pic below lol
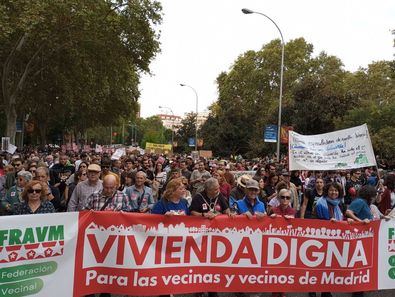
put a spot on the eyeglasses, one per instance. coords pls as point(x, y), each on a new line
point(37, 191)
point(286, 197)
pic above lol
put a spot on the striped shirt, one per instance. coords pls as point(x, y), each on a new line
point(118, 202)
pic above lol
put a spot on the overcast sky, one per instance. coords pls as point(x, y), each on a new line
point(202, 38)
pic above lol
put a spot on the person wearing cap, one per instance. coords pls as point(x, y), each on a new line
point(250, 205)
point(238, 192)
point(84, 189)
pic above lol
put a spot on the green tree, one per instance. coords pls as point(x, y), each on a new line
point(374, 90)
point(75, 64)
point(186, 130)
point(248, 96)
point(152, 130)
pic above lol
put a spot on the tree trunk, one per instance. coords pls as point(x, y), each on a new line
point(42, 126)
point(11, 122)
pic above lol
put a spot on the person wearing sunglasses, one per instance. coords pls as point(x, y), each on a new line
point(35, 201)
point(284, 209)
point(11, 177)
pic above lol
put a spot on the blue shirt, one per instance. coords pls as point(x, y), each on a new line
point(361, 209)
point(244, 205)
point(140, 200)
point(163, 206)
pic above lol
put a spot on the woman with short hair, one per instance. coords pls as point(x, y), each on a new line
point(173, 201)
point(35, 201)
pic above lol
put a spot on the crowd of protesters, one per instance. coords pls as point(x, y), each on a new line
point(179, 185)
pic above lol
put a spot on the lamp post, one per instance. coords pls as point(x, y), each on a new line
point(249, 11)
point(196, 95)
point(172, 125)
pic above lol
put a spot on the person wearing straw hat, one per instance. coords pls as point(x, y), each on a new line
point(238, 192)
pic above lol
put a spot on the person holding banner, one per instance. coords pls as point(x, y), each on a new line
point(140, 196)
point(173, 201)
point(35, 201)
point(210, 202)
point(359, 209)
point(284, 209)
point(109, 198)
point(250, 205)
point(328, 206)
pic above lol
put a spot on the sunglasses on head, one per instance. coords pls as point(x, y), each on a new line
point(286, 197)
point(31, 191)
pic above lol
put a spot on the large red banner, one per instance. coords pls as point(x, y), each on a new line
point(151, 255)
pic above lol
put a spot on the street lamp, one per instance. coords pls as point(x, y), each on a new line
point(249, 11)
point(184, 85)
point(172, 124)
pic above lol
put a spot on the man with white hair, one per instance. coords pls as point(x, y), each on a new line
point(210, 202)
point(140, 196)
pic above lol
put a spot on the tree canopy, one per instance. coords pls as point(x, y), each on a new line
point(75, 64)
point(319, 96)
